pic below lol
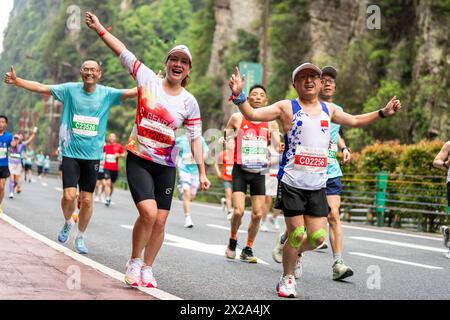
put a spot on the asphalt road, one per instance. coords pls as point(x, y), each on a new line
point(388, 264)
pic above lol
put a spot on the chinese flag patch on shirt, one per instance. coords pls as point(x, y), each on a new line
point(324, 123)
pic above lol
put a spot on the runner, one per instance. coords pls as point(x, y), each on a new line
point(271, 189)
point(225, 158)
point(15, 162)
point(303, 170)
point(163, 106)
point(442, 161)
point(82, 132)
point(188, 175)
point(40, 163)
point(46, 165)
point(5, 142)
point(99, 192)
point(252, 138)
point(28, 160)
point(113, 152)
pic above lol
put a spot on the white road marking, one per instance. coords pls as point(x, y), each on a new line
point(159, 294)
point(392, 232)
point(224, 228)
point(185, 243)
point(395, 260)
point(59, 189)
point(399, 244)
point(44, 184)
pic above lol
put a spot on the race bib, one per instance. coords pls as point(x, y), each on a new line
point(229, 170)
point(310, 159)
point(332, 153)
point(14, 155)
point(85, 126)
point(3, 153)
point(111, 158)
point(156, 134)
point(254, 154)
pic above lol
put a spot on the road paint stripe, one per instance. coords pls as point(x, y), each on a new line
point(392, 232)
point(44, 184)
point(395, 260)
point(400, 244)
point(184, 243)
point(157, 293)
point(59, 189)
point(224, 228)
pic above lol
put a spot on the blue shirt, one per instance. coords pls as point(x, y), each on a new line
point(186, 160)
point(84, 118)
point(5, 142)
point(333, 168)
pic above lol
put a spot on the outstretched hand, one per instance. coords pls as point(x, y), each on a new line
point(92, 21)
point(10, 77)
point(392, 107)
point(236, 82)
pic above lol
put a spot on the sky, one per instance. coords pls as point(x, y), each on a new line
point(7, 6)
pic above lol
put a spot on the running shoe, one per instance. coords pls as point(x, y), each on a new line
point(275, 223)
point(247, 255)
point(222, 202)
point(298, 270)
point(147, 278)
point(341, 270)
point(445, 236)
point(188, 222)
point(277, 252)
point(97, 199)
point(133, 273)
point(64, 233)
point(11, 195)
point(80, 245)
point(108, 202)
point(323, 246)
point(447, 255)
point(287, 287)
point(230, 252)
point(230, 215)
point(263, 227)
point(18, 189)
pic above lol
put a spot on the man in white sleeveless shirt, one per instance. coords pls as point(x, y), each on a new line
point(303, 170)
point(442, 161)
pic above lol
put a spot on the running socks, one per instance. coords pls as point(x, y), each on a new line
point(337, 256)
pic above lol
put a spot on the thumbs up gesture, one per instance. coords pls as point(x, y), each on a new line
point(10, 77)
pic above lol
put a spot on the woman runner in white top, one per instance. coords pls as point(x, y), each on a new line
point(163, 106)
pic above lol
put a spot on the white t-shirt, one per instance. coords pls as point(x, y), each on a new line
point(159, 115)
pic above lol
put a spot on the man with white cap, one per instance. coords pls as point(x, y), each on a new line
point(303, 169)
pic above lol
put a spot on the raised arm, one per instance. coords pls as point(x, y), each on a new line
point(442, 160)
point(33, 135)
point(362, 120)
point(269, 113)
point(111, 41)
point(13, 79)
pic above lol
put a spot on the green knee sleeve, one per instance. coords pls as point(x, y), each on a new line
point(293, 241)
point(321, 233)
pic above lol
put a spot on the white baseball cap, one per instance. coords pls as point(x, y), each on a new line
point(303, 66)
point(180, 48)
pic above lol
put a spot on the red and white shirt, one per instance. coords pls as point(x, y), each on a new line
point(159, 115)
point(111, 161)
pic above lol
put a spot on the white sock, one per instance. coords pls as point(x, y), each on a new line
point(80, 234)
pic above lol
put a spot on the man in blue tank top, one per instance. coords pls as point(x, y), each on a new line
point(303, 169)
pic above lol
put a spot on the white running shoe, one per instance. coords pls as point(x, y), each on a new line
point(287, 287)
point(445, 236)
point(298, 270)
point(188, 222)
point(322, 246)
point(11, 195)
point(447, 255)
point(133, 273)
point(263, 227)
point(229, 215)
point(222, 202)
point(277, 252)
point(147, 278)
point(97, 199)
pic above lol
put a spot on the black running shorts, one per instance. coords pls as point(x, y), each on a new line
point(296, 202)
point(4, 172)
point(80, 172)
point(242, 178)
point(150, 181)
point(28, 166)
point(110, 174)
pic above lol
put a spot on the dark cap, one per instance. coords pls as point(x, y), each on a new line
point(329, 71)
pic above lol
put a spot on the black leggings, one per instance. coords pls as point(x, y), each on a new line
point(150, 180)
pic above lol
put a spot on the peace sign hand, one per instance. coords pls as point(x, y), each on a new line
point(236, 83)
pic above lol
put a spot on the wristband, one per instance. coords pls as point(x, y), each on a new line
point(102, 33)
point(381, 114)
point(237, 100)
point(346, 148)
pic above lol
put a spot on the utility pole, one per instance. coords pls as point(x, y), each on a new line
point(265, 41)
